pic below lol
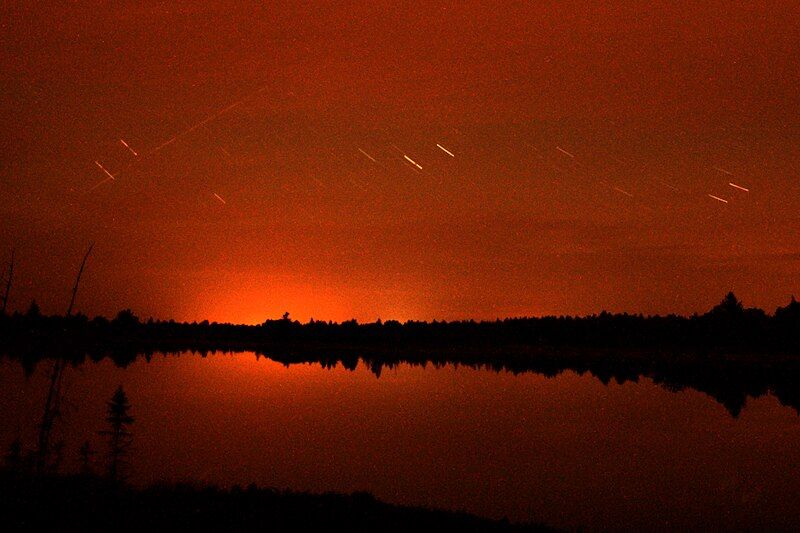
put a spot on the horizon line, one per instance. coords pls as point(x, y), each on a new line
point(379, 320)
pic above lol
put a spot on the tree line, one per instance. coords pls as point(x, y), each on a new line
point(727, 326)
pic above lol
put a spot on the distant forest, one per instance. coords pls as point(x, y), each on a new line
point(728, 327)
point(730, 353)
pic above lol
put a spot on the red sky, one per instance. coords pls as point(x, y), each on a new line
point(655, 103)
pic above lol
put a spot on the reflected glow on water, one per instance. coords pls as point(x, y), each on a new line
point(568, 451)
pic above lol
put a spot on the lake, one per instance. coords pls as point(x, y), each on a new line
point(567, 450)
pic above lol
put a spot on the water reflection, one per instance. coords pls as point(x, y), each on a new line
point(567, 450)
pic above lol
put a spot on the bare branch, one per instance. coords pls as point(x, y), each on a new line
point(78, 279)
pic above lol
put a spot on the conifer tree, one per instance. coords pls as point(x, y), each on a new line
point(120, 438)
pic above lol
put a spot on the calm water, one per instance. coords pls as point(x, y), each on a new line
point(568, 451)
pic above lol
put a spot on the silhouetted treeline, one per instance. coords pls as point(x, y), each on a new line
point(85, 503)
point(730, 352)
point(728, 326)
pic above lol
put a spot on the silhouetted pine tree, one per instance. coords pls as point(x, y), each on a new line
point(120, 439)
point(730, 306)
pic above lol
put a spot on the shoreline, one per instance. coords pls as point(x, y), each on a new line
point(82, 502)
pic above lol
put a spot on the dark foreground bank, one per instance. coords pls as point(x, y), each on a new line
point(80, 503)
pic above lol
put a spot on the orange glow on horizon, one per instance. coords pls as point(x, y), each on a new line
point(362, 160)
point(252, 298)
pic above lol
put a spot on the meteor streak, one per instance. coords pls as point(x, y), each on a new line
point(367, 155)
point(129, 148)
point(107, 173)
point(208, 119)
point(165, 144)
point(626, 193)
point(738, 187)
point(445, 150)
point(565, 152)
point(218, 197)
point(717, 198)
point(186, 131)
point(412, 161)
point(96, 185)
point(723, 171)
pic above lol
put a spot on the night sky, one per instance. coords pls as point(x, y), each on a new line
point(404, 160)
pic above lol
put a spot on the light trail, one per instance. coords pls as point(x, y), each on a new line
point(723, 171)
point(98, 184)
point(206, 120)
point(101, 167)
point(412, 161)
point(126, 145)
point(445, 150)
point(104, 181)
point(565, 152)
point(367, 155)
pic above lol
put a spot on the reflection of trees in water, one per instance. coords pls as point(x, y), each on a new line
point(730, 353)
point(45, 459)
point(40, 461)
point(730, 380)
point(120, 438)
point(728, 383)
